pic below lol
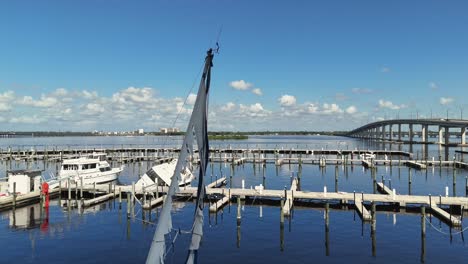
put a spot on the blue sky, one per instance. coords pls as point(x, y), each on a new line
point(283, 65)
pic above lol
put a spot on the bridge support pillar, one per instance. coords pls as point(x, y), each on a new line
point(425, 133)
point(390, 130)
point(410, 133)
point(384, 133)
point(447, 135)
point(463, 135)
point(441, 135)
point(399, 132)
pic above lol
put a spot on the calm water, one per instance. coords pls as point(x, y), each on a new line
point(103, 233)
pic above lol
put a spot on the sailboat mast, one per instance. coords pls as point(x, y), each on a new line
point(198, 126)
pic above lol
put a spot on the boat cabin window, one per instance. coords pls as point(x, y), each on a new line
point(88, 166)
point(70, 167)
point(103, 169)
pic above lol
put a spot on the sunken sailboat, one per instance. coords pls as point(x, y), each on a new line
point(196, 130)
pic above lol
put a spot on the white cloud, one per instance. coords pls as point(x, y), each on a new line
point(446, 100)
point(93, 109)
point(312, 108)
point(191, 99)
point(133, 95)
point(6, 100)
point(89, 95)
point(287, 100)
point(240, 85)
point(254, 110)
point(4, 107)
point(27, 120)
point(60, 92)
point(44, 102)
point(331, 109)
point(390, 105)
point(181, 109)
point(7, 96)
point(228, 107)
point(257, 91)
point(361, 90)
point(351, 110)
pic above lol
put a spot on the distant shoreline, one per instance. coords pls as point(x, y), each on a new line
point(213, 135)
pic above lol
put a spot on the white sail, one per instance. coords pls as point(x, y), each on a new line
point(197, 126)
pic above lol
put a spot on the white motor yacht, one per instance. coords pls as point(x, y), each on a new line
point(92, 168)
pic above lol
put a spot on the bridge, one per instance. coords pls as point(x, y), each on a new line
point(7, 134)
point(407, 130)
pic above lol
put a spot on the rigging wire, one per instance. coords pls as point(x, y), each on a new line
point(164, 144)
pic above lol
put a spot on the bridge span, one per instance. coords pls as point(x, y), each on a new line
point(405, 131)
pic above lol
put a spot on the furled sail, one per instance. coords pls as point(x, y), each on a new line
point(197, 127)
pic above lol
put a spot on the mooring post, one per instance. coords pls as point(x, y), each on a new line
point(133, 193)
point(466, 185)
point(336, 178)
point(374, 211)
point(120, 197)
point(81, 187)
point(14, 195)
point(128, 206)
point(281, 212)
point(362, 203)
point(60, 191)
point(69, 190)
point(144, 196)
point(423, 220)
point(238, 210)
point(94, 190)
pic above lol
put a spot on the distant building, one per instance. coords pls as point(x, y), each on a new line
point(141, 131)
point(165, 130)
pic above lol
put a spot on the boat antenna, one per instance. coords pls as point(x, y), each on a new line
point(216, 50)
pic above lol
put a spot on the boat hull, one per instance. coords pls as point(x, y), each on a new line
point(95, 177)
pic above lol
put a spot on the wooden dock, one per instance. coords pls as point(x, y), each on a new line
point(289, 199)
point(100, 199)
point(384, 189)
point(219, 204)
point(152, 203)
point(416, 165)
point(218, 183)
point(451, 219)
point(361, 209)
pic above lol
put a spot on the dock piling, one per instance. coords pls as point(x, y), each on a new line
point(81, 187)
point(238, 210)
point(14, 196)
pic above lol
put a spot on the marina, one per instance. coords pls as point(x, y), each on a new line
point(233, 132)
point(232, 183)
